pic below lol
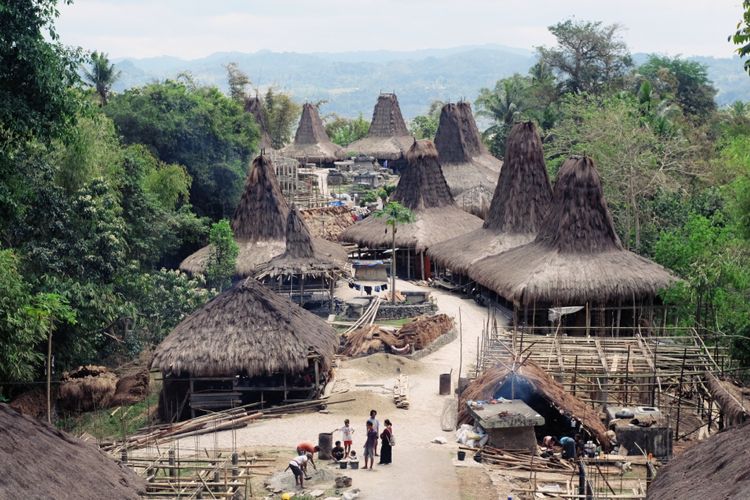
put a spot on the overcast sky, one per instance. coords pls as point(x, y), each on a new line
point(197, 28)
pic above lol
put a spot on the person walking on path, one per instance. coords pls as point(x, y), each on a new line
point(347, 434)
point(370, 443)
point(376, 425)
point(386, 448)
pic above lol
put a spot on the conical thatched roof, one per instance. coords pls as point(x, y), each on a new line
point(422, 188)
point(470, 170)
point(39, 461)
point(254, 107)
point(304, 255)
point(311, 142)
point(246, 330)
point(259, 223)
point(521, 200)
point(388, 137)
point(577, 256)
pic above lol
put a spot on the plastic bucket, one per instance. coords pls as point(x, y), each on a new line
point(342, 465)
point(354, 465)
point(461, 455)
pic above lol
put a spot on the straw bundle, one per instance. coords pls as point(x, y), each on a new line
point(87, 388)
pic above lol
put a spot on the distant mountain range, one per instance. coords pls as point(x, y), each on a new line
point(351, 81)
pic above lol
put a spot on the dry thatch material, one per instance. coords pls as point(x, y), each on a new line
point(304, 256)
point(246, 330)
point(87, 388)
point(311, 142)
point(467, 165)
point(131, 389)
point(388, 137)
point(416, 335)
point(577, 256)
point(327, 222)
point(254, 107)
point(485, 386)
point(39, 462)
point(422, 188)
point(716, 468)
point(521, 201)
point(732, 398)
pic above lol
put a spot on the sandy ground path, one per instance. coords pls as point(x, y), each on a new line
point(420, 469)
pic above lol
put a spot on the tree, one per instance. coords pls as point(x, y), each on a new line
point(503, 105)
point(344, 131)
point(101, 76)
point(589, 56)
point(425, 126)
point(223, 258)
point(281, 114)
point(681, 81)
point(394, 214)
point(239, 83)
point(741, 37)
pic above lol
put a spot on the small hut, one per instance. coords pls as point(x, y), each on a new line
point(307, 266)
point(388, 139)
point(247, 344)
point(576, 260)
point(422, 189)
point(311, 143)
point(469, 169)
point(255, 108)
point(519, 205)
point(40, 461)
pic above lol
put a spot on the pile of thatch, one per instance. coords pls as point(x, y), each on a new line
point(33, 402)
point(422, 188)
point(520, 203)
point(576, 256)
point(413, 336)
point(388, 137)
point(716, 468)
point(303, 255)
point(39, 461)
point(255, 108)
point(87, 388)
point(327, 222)
point(311, 142)
point(246, 330)
point(469, 169)
point(131, 389)
point(732, 398)
point(485, 386)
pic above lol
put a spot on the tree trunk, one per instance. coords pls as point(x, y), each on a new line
point(49, 378)
point(393, 264)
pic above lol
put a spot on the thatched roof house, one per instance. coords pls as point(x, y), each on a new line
point(39, 461)
point(469, 168)
point(576, 257)
point(716, 468)
point(422, 188)
point(311, 143)
point(520, 203)
point(529, 382)
point(388, 137)
point(255, 108)
point(246, 330)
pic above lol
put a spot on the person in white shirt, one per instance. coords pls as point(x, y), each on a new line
point(298, 465)
point(347, 433)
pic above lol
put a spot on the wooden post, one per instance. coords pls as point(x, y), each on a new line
point(192, 390)
point(627, 372)
point(393, 265)
point(679, 395)
point(317, 379)
point(460, 344)
point(421, 264)
point(588, 320)
point(49, 377)
point(575, 374)
point(654, 402)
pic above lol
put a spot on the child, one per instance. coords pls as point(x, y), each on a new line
point(298, 465)
point(338, 452)
point(370, 443)
point(346, 435)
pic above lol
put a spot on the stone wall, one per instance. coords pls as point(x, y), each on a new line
point(399, 311)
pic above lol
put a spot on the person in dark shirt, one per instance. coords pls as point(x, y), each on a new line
point(370, 443)
point(337, 452)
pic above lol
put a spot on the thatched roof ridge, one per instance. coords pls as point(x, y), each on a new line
point(388, 138)
point(521, 200)
point(714, 468)
point(41, 461)
point(421, 188)
point(255, 108)
point(311, 142)
point(485, 386)
point(733, 403)
point(247, 329)
point(457, 138)
point(576, 256)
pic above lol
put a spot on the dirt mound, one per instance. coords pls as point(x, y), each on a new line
point(33, 402)
point(87, 388)
point(384, 365)
point(131, 389)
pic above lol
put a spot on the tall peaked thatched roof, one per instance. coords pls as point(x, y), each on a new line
point(388, 138)
point(576, 256)
point(311, 142)
point(470, 170)
point(255, 108)
point(39, 461)
point(246, 330)
point(421, 188)
point(520, 203)
point(304, 254)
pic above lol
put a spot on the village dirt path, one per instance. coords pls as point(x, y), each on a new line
point(420, 469)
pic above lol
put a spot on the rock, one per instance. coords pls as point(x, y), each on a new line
point(316, 493)
point(352, 494)
point(439, 440)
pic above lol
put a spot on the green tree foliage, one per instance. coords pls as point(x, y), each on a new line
point(681, 81)
point(101, 76)
point(223, 257)
point(425, 126)
point(199, 128)
point(741, 37)
point(503, 105)
point(239, 83)
point(589, 56)
point(282, 114)
point(344, 131)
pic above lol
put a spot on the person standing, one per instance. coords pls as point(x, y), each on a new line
point(376, 425)
point(347, 433)
point(386, 447)
point(370, 443)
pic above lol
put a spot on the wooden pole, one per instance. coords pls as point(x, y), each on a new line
point(460, 344)
point(679, 395)
point(627, 372)
point(393, 264)
point(49, 378)
point(421, 264)
point(575, 374)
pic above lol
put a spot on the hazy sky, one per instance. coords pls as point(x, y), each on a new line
point(196, 28)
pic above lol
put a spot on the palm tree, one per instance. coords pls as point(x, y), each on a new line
point(395, 213)
point(102, 75)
